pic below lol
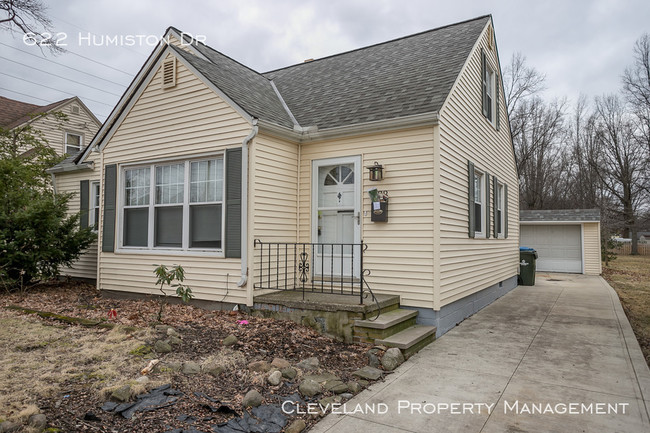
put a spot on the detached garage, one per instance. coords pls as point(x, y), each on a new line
point(565, 240)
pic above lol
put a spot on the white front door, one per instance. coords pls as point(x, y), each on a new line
point(336, 197)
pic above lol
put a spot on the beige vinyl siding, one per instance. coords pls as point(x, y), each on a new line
point(469, 265)
point(69, 182)
point(181, 122)
point(400, 251)
point(591, 250)
point(54, 130)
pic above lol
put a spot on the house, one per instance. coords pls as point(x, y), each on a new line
point(566, 240)
point(66, 136)
point(259, 181)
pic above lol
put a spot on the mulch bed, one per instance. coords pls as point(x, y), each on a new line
point(202, 331)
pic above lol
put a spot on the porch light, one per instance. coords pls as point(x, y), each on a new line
point(376, 172)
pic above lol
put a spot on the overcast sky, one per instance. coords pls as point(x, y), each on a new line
point(582, 46)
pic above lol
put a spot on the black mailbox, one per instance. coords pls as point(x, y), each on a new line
point(379, 212)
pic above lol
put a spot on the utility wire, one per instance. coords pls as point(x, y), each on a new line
point(99, 63)
point(25, 94)
point(59, 76)
point(60, 64)
point(52, 88)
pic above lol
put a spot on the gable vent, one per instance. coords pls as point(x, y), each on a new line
point(74, 109)
point(169, 73)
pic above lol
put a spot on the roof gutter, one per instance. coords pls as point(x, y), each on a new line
point(66, 168)
point(244, 204)
point(312, 133)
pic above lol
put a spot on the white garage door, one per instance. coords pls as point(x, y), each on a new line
point(559, 247)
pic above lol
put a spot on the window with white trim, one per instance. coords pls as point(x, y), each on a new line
point(489, 93)
point(93, 215)
point(73, 143)
point(177, 205)
point(500, 215)
point(479, 200)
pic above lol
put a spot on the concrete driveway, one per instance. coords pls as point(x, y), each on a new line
point(557, 357)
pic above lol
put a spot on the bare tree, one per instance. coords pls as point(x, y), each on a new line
point(30, 18)
point(520, 82)
point(636, 86)
point(622, 165)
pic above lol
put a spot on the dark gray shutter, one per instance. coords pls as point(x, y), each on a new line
point(233, 203)
point(483, 84)
point(487, 206)
point(505, 210)
point(110, 190)
point(470, 170)
point(84, 193)
point(496, 101)
point(495, 191)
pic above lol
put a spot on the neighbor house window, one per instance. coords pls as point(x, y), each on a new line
point(73, 143)
point(94, 205)
point(175, 205)
point(479, 200)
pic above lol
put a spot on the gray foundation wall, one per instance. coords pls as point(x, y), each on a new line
point(452, 314)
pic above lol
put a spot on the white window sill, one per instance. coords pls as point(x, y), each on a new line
point(165, 252)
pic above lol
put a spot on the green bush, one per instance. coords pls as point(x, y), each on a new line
point(37, 236)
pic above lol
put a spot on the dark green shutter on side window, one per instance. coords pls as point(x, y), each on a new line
point(505, 210)
point(470, 170)
point(495, 191)
point(84, 193)
point(496, 101)
point(483, 84)
point(487, 206)
point(233, 203)
point(108, 222)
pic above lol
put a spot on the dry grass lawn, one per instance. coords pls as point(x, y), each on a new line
point(630, 277)
point(39, 358)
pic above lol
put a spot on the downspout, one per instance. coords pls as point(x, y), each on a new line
point(244, 204)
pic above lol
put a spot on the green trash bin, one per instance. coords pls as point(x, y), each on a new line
point(527, 266)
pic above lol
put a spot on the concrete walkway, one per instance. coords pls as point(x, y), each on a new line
point(556, 357)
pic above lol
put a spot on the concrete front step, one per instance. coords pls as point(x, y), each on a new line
point(387, 319)
point(410, 340)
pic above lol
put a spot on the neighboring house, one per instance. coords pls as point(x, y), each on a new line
point(566, 240)
point(644, 237)
point(64, 136)
point(237, 174)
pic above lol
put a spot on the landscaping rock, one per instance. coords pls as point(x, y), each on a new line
point(174, 341)
point(212, 368)
point(252, 399)
point(289, 373)
point(392, 359)
point(336, 386)
point(230, 340)
point(162, 347)
point(142, 379)
point(308, 364)
point(259, 366)
point(280, 363)
point(162, 328)
point(296, 427)
point(191, 367)
point(363, 383)
point(309, 388)
point(346, 396)
point(368, 372)
point(122, 394)
point(354, 387)
point(275, 378)
point(373, 359)
point(38, 421)
point(171, 332)
point(172, 365)
point(8, 426)
point(327, 401)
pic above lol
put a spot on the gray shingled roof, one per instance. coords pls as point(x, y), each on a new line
point(559, 215)
point(249, 89)
point(403, 77)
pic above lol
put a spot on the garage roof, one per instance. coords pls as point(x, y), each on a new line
point(560, 215)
